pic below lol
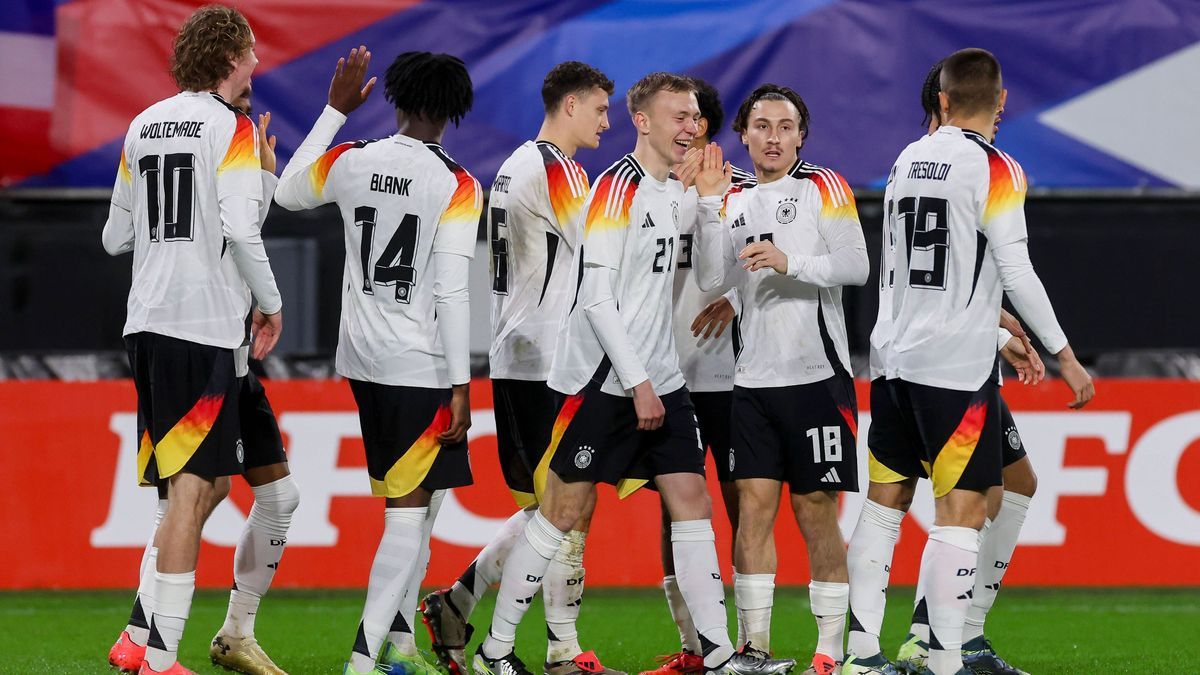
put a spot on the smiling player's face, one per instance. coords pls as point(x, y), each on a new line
point(671, 124)
point(772, 135)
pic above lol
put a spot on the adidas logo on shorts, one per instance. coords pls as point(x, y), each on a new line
point(831, 476)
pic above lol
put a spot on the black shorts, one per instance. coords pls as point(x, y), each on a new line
point(1012, 447)
point(260, 429)
point(803, 434)
point(713, 409)
point(525, 413)
point(187, 408)
point(949, 435)
point(400, 426)
point(596, 439)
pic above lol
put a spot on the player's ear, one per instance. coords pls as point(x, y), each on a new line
point(702, 126)
point(568, 105)
point(944, 105)
point(745, 141)
point(1003, 99)
point(641, 122)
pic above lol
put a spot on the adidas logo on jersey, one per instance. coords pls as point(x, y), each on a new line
point(649, 222)
point(740, 221)
point(831, 476)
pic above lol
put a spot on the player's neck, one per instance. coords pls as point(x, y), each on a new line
point(225, 91)
point(762, 176)
point(421, 130)
point(984, 125)
point(560, 137)
point(651, 161)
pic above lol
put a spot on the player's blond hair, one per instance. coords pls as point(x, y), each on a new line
point(208, 43)
point(644, 89)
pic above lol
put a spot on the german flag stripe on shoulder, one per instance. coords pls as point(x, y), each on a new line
point(318, 173)
point(1007, 183)
point(613, 195)
point(566, 183)
point(467, 201)
point(242, 153)
point(837, 199)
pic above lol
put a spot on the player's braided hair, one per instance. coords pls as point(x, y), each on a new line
point(571, 77)
point(772, 92)
point(207, 44)
point(710, 106)
point(436, 87)
point(929, 95)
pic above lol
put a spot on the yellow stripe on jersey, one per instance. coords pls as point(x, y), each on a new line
point(950, 463)
point(837, 200)
point(123, 169)
point(467, 202)
point(318, 173)
point(610, 202)
point(410, 470)
point(567, 191)
point(243, 148)
point(1006, 185)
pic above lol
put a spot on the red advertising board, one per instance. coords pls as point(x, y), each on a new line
point(1118, 498)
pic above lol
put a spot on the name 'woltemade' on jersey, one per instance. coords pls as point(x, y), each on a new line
point(629, 224)
point(532, 210)
point(181, 287)
point(954, 197)
point(401, 201)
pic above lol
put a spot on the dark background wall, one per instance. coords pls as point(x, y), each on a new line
point(1122, 272)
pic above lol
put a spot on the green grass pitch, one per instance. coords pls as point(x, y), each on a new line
point(1090, 632)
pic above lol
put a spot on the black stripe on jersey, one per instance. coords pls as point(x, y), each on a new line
point(441, 153)
point(736, 336)
point(980, 251)
point(229, 105)
point(602, 371)
point(801, 169)
point(743, 177)
point(830, 348)
point(982, 142)
point(578, 280)
point(628, 160)
point(551, 253)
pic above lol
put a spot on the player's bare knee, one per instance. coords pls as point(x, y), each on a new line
point(1020, 478)
point(897, 495)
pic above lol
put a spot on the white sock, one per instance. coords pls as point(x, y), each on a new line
point(143, 603)
point(172, 603)
point(869, 563)
point(487, 567)
point(995, 551)
point(522, 577)
point(950, 570)
point(258, 552)
point(741, 625)
point(829, 601)
point(689, 640)
point(401, 633)
point(693, 546)
point(754, 596)
point(394, 561)
point(562, 595)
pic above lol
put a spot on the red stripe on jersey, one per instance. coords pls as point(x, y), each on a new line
point(243, 151)
point(318, 173)
point(567, 185)
point(467, 202)
point(837, 200)
point(1006, 185)
point(613, 195)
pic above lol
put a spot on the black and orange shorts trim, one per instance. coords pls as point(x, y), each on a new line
point(948, 435)
point(595, 438)
point(804, 434)
point(188, 409)
point(400, 426)
point(713, 410)
point(260, 429)
point(525, 412)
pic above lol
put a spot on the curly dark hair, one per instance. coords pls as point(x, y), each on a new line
point(710, 106)
point(772, 92)
point(644, 89)
point(571, 77)
point(929, 95)
point(208, 42)
point(436, 87)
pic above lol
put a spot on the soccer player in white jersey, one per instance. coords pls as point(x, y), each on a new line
point(706, 359)
point(188, 194)
point(625, 417)
point(276, 497)
point(410, 214)
point(532, 210)
point(789, 243)
point(955, 242)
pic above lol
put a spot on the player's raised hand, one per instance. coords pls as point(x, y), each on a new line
point(686, 170)
point(716, 315)
point(346, 91)
point(460, 415)
point(715, 173)
point(1019, 352)
point(648, 406)
point(265, 330)
point(762, 255)
point(1076, 377)
point(266, 144)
